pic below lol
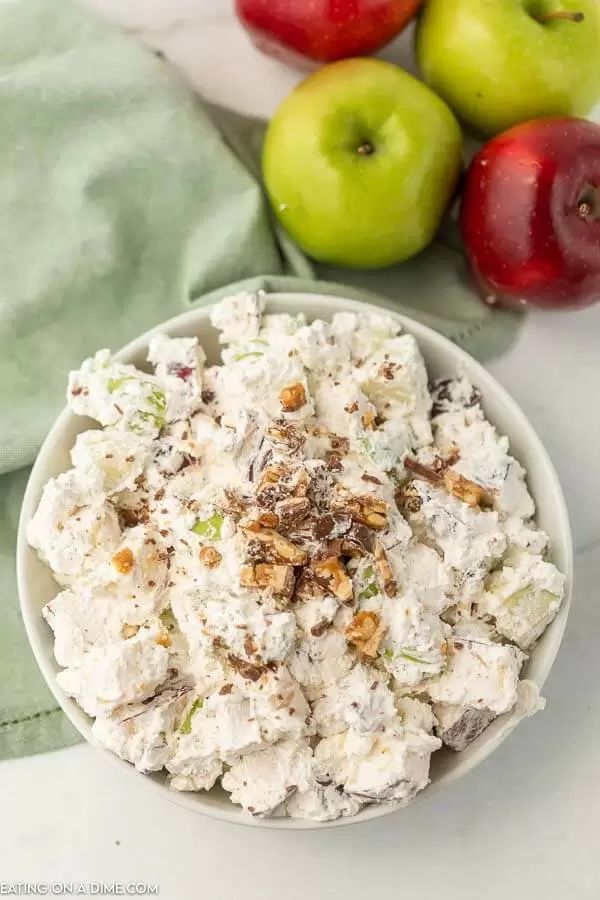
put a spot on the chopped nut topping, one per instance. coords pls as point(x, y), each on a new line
point(279, 579)
point(226, 689)
point(210, 557)
point(293, 397)
point(292, 510)
point(372, 478)
point(331, 574)
point(366, 631)
point(123, 561)
point(464, 489)
point(276, 548)
point(385, 570)
point(351, 407)
point(129, 631)
point(163, 640)
point(366, 508)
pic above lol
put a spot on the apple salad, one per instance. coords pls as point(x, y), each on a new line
point(298, 573)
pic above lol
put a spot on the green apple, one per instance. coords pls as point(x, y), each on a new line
point(500, 62)
point(360, 162)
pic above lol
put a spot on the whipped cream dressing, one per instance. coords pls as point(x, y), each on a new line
point(299, 572)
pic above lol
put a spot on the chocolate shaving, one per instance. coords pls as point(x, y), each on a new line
point(249, 671)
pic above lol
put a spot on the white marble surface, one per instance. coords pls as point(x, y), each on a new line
point(525, 824)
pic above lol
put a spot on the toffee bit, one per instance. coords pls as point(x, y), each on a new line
point(332, 575)
point(365, 508)
point(464, 489)
point(123, 561)
point(279, 580)
point(366, 632)
point(292, 398)
point(291, 510)
point(277, 548)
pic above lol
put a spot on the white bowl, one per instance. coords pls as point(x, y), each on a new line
point(442, 357)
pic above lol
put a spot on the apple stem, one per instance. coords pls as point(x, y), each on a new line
point(366, 149)
point(561, 14)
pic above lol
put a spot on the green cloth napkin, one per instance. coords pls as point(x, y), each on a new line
point(122, 202)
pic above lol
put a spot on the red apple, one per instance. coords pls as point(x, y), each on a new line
point(530, 214)
point(323, 30)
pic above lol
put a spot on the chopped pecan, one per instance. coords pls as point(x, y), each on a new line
point(372, 478)
point(332, 575)
point(293, 397)
point(385, 570)
point(276, 548)
point(249, 671)
point(226, 689)
point(279, 579)
point(123, 561)
point(351, 407)
point(464, 489)
point(210, 557)
point(320, 628)
point(366, 631)
point(292, 510)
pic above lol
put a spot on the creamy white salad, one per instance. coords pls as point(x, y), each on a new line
point(298, 573)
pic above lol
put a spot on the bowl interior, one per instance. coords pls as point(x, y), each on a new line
point(36, 585)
